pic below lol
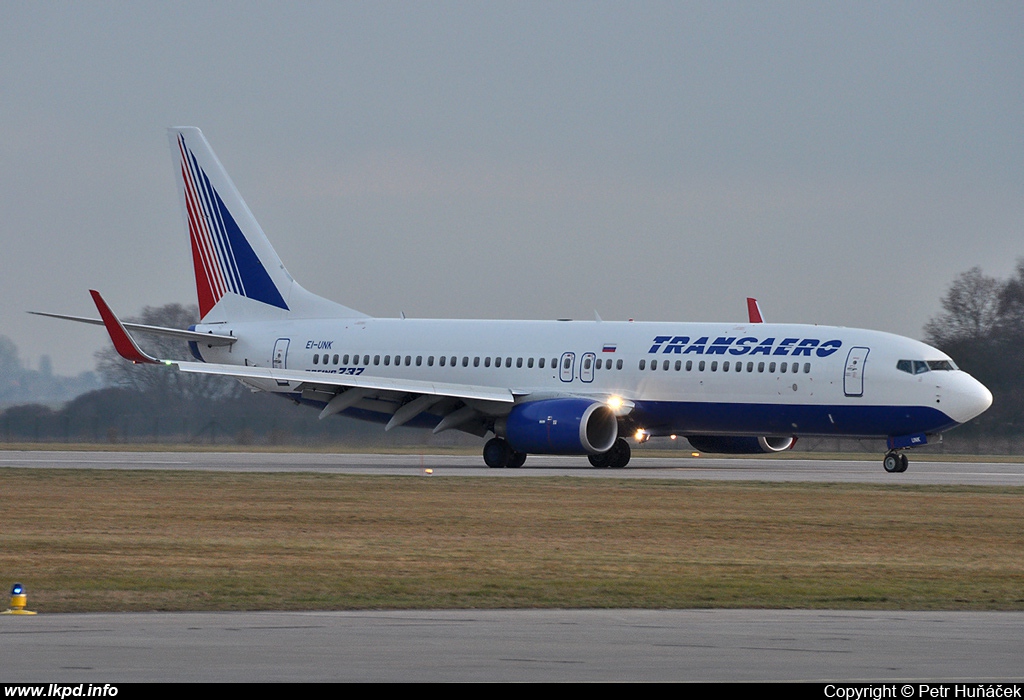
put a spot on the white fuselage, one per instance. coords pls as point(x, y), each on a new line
point(696, 378)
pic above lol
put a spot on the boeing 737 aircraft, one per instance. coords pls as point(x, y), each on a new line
point(541, 387)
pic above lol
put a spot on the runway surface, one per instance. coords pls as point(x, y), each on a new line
point(525, 645)
point(519, 645)
point(991, 473)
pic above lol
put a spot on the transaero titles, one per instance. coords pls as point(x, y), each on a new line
point(747, 345)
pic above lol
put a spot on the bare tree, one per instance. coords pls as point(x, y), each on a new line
point(1011, 306)
point(972, 310)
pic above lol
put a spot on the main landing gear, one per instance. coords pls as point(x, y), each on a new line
point(499, 454)
point(895, 462)
point(616, 458)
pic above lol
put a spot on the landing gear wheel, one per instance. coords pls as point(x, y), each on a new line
point(517, 460)
point(893, 462)
point(600, 460)
point(497, 453)
point(904, 462)
point(618, 456)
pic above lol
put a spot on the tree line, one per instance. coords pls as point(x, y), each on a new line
point(981, 327)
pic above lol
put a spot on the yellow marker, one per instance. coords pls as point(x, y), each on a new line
point(428, 471)
point(19, 599)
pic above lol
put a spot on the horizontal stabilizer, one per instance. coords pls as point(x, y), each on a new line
point(195, 336)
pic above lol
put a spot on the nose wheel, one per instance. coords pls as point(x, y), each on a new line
point(895, 462)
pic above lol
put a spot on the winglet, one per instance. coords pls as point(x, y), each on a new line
point(754, 311)
point(123, 342)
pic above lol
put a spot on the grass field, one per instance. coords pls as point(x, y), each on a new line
point(116, 540)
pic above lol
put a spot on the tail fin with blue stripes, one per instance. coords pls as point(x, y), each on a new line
point(239, 275)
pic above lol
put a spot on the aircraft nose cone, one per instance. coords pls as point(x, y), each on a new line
point(970, 399)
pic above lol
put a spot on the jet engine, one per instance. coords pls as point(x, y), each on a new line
point(560, 426)
point(740, 445)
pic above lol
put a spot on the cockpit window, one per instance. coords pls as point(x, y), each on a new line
point(921, 366)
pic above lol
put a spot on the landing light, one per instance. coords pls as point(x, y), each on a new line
point(641, 436)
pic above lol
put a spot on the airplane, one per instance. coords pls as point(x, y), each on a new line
point(539, 387)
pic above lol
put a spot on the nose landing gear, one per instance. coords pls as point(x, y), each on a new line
point(895, 462)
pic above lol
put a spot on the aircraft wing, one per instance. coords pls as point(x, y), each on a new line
point(129, 350)
point(409, 386)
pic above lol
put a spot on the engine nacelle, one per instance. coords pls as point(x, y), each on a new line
point(740, 445)
point(560, 426)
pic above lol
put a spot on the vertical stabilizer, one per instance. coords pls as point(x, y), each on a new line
point(238, 273)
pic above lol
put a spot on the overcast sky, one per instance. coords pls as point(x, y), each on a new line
point(842, 162)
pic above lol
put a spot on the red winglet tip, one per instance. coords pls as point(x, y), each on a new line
point(123, 342)
point(754, 311)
